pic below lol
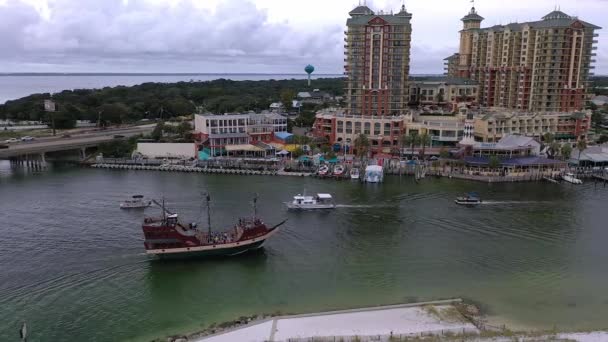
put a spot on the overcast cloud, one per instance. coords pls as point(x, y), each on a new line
point(266, 36)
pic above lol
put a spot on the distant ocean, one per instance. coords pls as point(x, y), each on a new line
point(14, 86)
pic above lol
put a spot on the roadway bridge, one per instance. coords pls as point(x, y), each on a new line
point(33, 153)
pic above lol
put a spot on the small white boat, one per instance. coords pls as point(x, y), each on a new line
point(471, 198)
point(323, 170)
point(135, 202)
point(374, 174)
point(320, 201)
point(338, 170)
point(569, 177)
point(354, 173)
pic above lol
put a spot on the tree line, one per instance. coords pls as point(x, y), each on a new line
point(121, 104)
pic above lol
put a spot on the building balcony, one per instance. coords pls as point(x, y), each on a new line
point(445, 139)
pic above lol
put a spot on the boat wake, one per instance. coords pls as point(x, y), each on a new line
point(361, 206)
point(509, 202)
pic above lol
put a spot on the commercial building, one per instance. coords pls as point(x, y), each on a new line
point(493, 124)
point(445, 92)
point(377, 62)
point(216, 132)
point(341, 128)
point(167, 150)
point(536, 66)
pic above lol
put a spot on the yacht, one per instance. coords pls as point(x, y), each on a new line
point(569, 177)
point(354, 173)
point(472, 198)
point(320, 201)
point(136, 202)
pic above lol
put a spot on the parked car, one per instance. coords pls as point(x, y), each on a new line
point(66, 136)
point(118, 136)
point(11, 140)
point(27, 138)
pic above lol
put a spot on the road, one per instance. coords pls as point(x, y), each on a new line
point(53, 144)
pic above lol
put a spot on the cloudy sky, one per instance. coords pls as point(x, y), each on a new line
point(266, 36)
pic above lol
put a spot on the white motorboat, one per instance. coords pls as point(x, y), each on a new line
point(323, 170)
point(374, 174)
point(469, 199)
point(354, 173)
point(569, 177)
point(136, 202)
point(338, 170)
point(320, 201)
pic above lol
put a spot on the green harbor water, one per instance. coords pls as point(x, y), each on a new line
point(72, 263)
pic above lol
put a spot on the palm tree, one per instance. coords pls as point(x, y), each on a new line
point(362, 145)
point(404, 140)
point(412, 140)
point(424, 139)
point(566, 151)
point(581, 145)
point(554, 148)
point(549, 141)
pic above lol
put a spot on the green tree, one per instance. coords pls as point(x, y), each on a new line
point(113, 113)
point(566, 151)
point(549, 142)
point(424, 140)
point(413, 139)
point(602, 139)
point(157, 133)
point(553, 149)
point(443, 153)
point(287, 96)
point(581, 145)
point(178, 107)
point(362, 145)
point(440, 97)
point(494, 162)
point(596, 119)
point(297, 153)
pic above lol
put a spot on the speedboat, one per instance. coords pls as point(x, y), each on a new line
point(323, 170)
point(471, 198)
point(374, 174)
point(569, 177)
point(338, 170)
point(354, 173)
point(136, 202)
point(320, 201)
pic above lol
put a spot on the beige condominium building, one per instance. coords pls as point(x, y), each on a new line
point(377, 61)
point(493, 124)
point(535, 66)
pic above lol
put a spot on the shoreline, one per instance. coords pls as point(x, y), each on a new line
point(266, 172)
point(440, 320)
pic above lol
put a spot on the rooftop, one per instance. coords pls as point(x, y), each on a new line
point(454, 56)
point(472, 16)
point(554, 19)
point(361, 10)
point(362, 15)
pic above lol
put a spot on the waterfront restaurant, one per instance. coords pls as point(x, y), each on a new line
point(592, 156)
point(518, 156)
point(514, 167)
